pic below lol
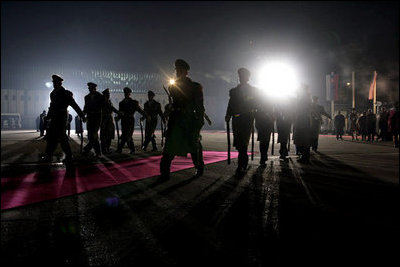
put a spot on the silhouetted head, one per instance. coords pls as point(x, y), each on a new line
point(150, 94)
point(127, 92)
point(92, 86)
point(244, 75)
point(57, 80)
point(181, 68)
point(106, 93)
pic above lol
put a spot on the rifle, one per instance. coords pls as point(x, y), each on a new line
point(273, 138)
point(162, 134)
point(207, 119)
point(141, 130)
point(117, 127)
point(80, 119)
point(228, 135)
point(252, 141)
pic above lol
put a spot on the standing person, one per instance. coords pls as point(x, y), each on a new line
point(42, 122)
point(339, 122)
point(302, 127)
point(127, 109)
point(94, 103)
point(317, 111)
point(185, 121)
point(78, 126)
point(383, 124)
point(241, 107)
point(69, 124)
point(371, 125)
point(38, 123)
point(60, 99)
point(393, 124)
point(284, 120)
point(264, 121)
point(153, 110)
point(107, 128)
point(362, 125)
point(353, 124)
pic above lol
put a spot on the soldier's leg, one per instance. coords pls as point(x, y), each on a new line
point(96, 143)
point(243, 158)
point(197, 159)
point(263, 152)
point(66, 147)
point(153, 142)
point(165, 165)
point(51, 145)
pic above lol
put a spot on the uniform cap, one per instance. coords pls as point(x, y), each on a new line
point(107, 91)
point(151, 93)
point(56, 78)
point(181, 64)
point(127, 90)
point(244, 71)
point(90, 84)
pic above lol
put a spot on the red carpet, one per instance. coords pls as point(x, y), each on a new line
point(33, 187)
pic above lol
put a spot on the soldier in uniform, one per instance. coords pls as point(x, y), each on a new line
point(78, 126)
point(353, 124)
point(69, 124)
point(302, 124)
point(127, 109)
point(371, 125)
point(185, 121)
point(317, 111)
point(362, 125)
point(153, 109)
point(284, 119)
point(107, 128)
point(94, 103)
point(241, 107)
point(339, 122)
point(60, 99)
point(264, 121)
point(42, 122)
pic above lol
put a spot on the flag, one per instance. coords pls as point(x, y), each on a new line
point(332, 87)
point(372, 88)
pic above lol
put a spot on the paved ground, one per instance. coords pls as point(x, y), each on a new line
point(341, 209)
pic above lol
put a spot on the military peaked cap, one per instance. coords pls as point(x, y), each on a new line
point(181, 64)
point(56, 78)
point(107, 91)
point(244, 71)
point(151, 93)
point(90, 84)
point(127, 90)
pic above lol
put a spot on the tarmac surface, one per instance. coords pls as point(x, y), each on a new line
point(340, 209)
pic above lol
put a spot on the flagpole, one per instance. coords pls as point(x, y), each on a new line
point(354, 88)
point(374, 103)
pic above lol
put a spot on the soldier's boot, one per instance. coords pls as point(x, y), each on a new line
point(165, 166)
point(153, 143)
point(131, 147)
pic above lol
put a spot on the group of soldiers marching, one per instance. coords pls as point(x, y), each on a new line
point(249, 107)
point(184, 116)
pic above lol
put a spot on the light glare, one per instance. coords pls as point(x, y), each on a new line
point(278, 80)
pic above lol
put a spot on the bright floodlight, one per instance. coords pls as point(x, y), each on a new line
point(171, 81)
point(278, 80)
point(49, 84)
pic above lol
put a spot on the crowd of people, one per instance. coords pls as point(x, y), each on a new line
point(249, 109)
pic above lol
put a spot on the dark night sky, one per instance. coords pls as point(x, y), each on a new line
point(214, 37)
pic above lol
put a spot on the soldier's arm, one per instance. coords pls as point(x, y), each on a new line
point(160, 113)
point(199, 100)
point(229, 112)
point(75, 106)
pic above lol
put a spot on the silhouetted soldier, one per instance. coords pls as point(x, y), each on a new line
point(284, 120)
point(302, 127)
point(353, 124)
point(94, 103)
point(185, 121)
point(127, 109)
point(107, 128)
point(241, 107)
point(362, 125)
point(69, 124)
point(383, 124)
point(78, 126)
point(264, 121)
point(393, 123)
point(339, 122)
point(371, 125)
point(60, 99)
point(317, 112)
point(153, 110)
point(42, 122)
